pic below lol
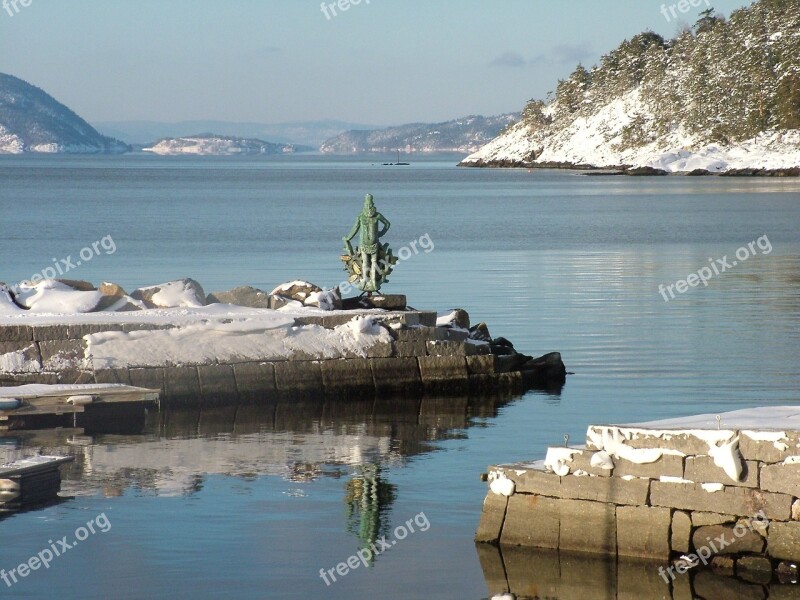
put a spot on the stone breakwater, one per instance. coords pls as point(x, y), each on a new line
point(205, 357)
point(722, 490)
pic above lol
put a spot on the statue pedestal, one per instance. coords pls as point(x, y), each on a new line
point(385, 301)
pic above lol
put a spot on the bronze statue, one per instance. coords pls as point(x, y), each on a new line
point(371, 262)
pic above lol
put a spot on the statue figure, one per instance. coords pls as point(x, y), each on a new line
point(371, 262)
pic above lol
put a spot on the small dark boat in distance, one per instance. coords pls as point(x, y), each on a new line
point(398, 163)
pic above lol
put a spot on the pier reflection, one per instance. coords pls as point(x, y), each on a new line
point(527, 574)
point(175, 451)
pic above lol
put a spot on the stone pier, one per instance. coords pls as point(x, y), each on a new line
point(720, 490)
point(411, 356)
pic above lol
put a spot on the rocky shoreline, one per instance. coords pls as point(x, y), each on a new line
point(625, 169)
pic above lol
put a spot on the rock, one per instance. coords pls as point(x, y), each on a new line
point(480, 332)
point(276, 302)
point(756, 569)
point(325, 300)
point(699, 172)
point(796, 510)
point(786, 572)
point(241, 296)
point(723, 565)
point(180, 293)
point(501, 341)
point(8, 304)
point(296, 290)
point(75, 284)
point(644, 171)
point(548, 368)
point(454, 317)
point(112, 289)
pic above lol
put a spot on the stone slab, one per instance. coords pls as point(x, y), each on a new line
point(151, 377)
point(16, 333)
point(733, 500)
point(255, 381)
point(681, 534)
point(28, 354)
point(492, 517)
point(442, 368)
point(347, 375)
point(62, 354)
point(479, 365)
point(410, 349)
point(767, 451)
point(781, 478)
point(300, 375)
point(643, 531)
point(701, 469)
point(217, 384)
point(112, 376)
point(587, 526)
point(582, 461)
point(669, 465)
point(784, 540)
point(181, 386)
point(531, 520)
point(395, 374)
point(700, 518)
point(739, 539)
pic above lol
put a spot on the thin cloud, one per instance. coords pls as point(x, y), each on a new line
point(509, 59)
point(571, 53)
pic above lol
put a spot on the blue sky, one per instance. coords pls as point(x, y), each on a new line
point(380, 61)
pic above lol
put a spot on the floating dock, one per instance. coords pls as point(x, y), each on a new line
point(30, 481)
point(27, 406)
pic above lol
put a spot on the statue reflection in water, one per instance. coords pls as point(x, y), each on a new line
point(369, 497)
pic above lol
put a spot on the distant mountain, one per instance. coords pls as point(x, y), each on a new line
point(722, 96)
point(209, 144)
point(33, 121)
point(459, 135)
point(307, 133)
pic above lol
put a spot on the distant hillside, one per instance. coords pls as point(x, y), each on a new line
point(460, 135)
point(307, 133)
point(209, 144)
point(33, 121)
point(724, 95)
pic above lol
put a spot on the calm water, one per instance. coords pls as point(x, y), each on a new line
point(252, 503)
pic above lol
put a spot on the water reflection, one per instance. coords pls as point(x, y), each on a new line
point(299, 441)
point(526, 574)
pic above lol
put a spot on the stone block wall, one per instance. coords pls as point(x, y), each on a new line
point(721, 496)
point(420, 358)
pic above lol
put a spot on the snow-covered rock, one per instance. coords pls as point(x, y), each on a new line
point(51, 296)
point(183, 292)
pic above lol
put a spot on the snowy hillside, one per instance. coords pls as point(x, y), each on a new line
point(723, 96)
point(214, 145)
point(459, 135)
point(33, 121)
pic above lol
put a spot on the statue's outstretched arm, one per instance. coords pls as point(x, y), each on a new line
point(385, 222)
point(354, 231)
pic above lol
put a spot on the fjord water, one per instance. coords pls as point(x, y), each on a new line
point(252, 504)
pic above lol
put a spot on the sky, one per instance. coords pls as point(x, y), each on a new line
point(382, 62)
